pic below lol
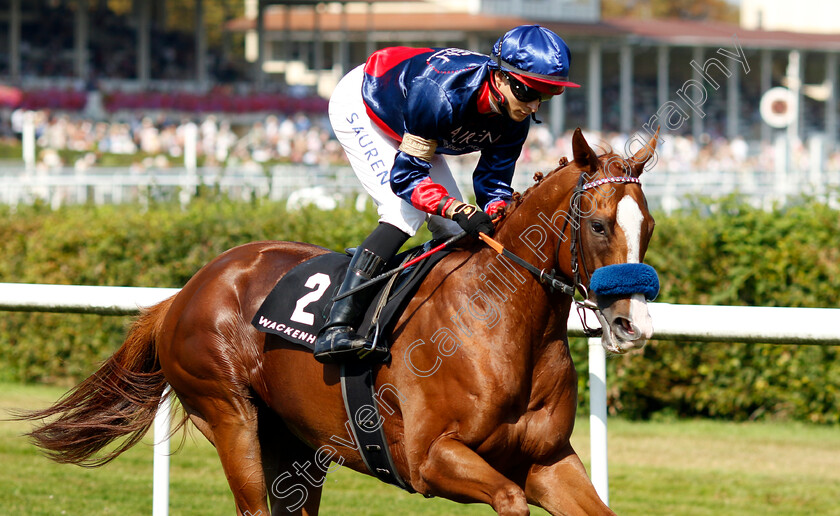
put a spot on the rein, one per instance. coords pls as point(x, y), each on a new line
point(541, 274)
point(549, 277)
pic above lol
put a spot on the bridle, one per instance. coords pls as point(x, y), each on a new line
point(575, 231)
point(586, 303)
point(550, 277)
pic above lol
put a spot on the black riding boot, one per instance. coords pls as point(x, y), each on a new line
point(338, 341)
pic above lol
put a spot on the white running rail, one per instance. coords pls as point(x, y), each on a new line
point(780, 325)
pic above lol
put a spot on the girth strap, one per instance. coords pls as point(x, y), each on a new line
point(357, 388)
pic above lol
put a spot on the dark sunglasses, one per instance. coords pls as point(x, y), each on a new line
point(525, 93)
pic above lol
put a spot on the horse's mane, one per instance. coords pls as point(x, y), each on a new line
point(539, 177)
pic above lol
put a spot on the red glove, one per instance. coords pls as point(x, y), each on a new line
point(496, 209)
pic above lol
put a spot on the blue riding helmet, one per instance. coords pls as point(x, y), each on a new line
point(536, 56)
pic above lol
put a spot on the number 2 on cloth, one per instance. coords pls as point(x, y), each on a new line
point(320, 282)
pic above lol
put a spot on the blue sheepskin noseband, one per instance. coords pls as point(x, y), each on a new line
point(625, 279)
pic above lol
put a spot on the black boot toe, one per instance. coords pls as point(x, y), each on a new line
point(341, 344)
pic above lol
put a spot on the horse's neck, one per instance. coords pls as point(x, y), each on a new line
point(528, 322)
point(541, 313)
point(533, 228)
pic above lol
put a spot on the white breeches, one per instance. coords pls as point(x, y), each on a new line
point(371, 153)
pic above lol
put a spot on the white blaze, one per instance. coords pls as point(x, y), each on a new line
point(640, 316)
point(630, 220)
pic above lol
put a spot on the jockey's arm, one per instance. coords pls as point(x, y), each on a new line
point(491, 181)
point(410, 179)
point(411, 182)
point(426, 116)
point(493, 176)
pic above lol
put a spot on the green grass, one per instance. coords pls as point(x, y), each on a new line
point(662, 467)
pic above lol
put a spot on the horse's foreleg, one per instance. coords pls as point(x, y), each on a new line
point(563, 487)
point(454, 471)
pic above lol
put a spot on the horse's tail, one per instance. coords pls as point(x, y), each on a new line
point(119, 399)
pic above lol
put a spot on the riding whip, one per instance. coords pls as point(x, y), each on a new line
point(386, 275)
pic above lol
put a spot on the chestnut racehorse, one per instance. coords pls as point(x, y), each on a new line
point(479, 397)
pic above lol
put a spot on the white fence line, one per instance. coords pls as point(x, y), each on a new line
point(779, 325)
point(82, 299)
point(665, 189)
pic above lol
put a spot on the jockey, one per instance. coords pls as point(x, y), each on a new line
point(400, 113)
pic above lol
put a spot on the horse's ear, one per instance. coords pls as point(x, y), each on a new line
point(643, 155)
point(585, 157)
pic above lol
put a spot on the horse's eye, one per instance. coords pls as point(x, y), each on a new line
point(598, 227)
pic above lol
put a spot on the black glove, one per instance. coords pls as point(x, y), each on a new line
point(470, 218)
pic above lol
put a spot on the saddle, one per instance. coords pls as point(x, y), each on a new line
point(297, 308)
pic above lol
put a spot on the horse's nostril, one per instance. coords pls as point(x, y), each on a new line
point(625, 325)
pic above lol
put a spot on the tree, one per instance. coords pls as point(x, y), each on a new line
point(180, 15)
point(716, 10)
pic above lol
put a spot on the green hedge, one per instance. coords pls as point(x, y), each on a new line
point(715, 253)
point(728, 253)
point(162, 246)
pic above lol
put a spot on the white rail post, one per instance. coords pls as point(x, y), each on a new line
point(160, 486)
point(598, 418)
point(190, 163)
point(28, 142)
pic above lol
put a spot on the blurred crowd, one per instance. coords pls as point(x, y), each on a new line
point(103, 115)
point(301, 138)
point(156, 141)
point(106, 114)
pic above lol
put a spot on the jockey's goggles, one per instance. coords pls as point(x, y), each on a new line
point(525, 93)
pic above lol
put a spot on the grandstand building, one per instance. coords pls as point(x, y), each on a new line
point(630, 68)
point(634, 72)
